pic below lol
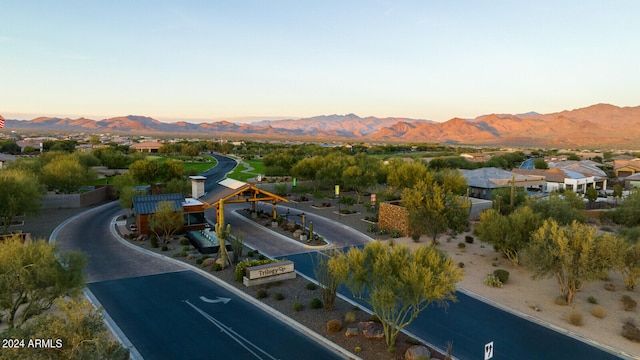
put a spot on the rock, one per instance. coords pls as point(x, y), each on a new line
point(417, 352)
point(351, 332)
point(297, 233)
point(208, 262)
point(371, 330)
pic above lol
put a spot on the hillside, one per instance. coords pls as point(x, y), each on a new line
point(592, 126)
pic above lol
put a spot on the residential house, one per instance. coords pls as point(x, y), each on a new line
point(147, 147)
point(624, 168)
point(482, 182)
point(6, 158)
point(590, 171)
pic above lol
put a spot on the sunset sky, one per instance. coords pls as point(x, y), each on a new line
point(215, 60)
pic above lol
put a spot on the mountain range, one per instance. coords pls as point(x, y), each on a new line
point(592, 126)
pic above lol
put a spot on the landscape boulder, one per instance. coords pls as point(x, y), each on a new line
point(371, 330)
point(417, 352)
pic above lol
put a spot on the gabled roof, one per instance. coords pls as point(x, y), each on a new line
point(230, 190)
point(148, 204)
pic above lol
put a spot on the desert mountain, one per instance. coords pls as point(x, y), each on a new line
point(592, 126)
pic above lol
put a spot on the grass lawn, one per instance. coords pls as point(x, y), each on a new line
point(239, 174)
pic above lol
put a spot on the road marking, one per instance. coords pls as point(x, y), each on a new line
point(245, 343)
point(218, 300)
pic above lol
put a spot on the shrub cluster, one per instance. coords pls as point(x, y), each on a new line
point(315, 303)
point(628, 303)
point(297, 306)
point(334, 325)
point(598, 311)
point(575, 318)
point(502, 275)
point(493, 281)
point(631, 331)
point(262, 294)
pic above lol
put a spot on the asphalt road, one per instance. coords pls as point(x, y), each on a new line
point(165, 317)
point(219, 172)
point(470, 324)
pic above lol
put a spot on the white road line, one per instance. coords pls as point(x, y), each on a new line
point(245, 343)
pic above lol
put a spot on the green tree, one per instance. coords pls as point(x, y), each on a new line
point(77, 324)
point(362, 174)
point(396, 282)
point(626, 261)
point(20, 193)
point(628, 211)
point(171, 169)
point(66, 174)
point(34, 275)
point(403, 175)
point(508, 234)
point(591, 194)
point(564, 208)
point(573, 254)
point(502, 199)
point(190, 150)
point(166, 220)
point(539, 163)
point(145, 170)
point(432, 210)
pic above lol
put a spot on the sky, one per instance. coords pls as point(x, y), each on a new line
point(246, 60)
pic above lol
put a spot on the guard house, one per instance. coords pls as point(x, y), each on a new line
point(146, 205)
point(234, 191)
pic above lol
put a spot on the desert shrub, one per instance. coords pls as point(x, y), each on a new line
point(372, 228)
point(561, 300)
point(468, 239)
point(493, 281)
point(312, 286)
point(412, 341)
point(262, 257)
point(395, 234)
point(631, 331)
point(184, 241)
point(357, 349)
point(216, 267)
point(383, 231)
point(186, 248)
point(180, 254)
point(297, 306)
point(575, 318)
point(315, 303)
point(628, 303)
point(164, 248)
point(462, 246)
point(592, 300)
point(278, 296)
point(334, 325)
point(262, 294)
point(609, 287)
point(461, 265)
point(350, 317)
point(375, 318)
point(502, 275)
point(598, 311)
point(154, 241)
point(250, 253)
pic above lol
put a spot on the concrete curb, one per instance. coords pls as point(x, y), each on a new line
point(276, 314)
point(134, 354)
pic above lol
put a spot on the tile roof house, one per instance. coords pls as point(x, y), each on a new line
point(624, 168)
point(482, 182)
point(147, 147)
point(589, 170)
